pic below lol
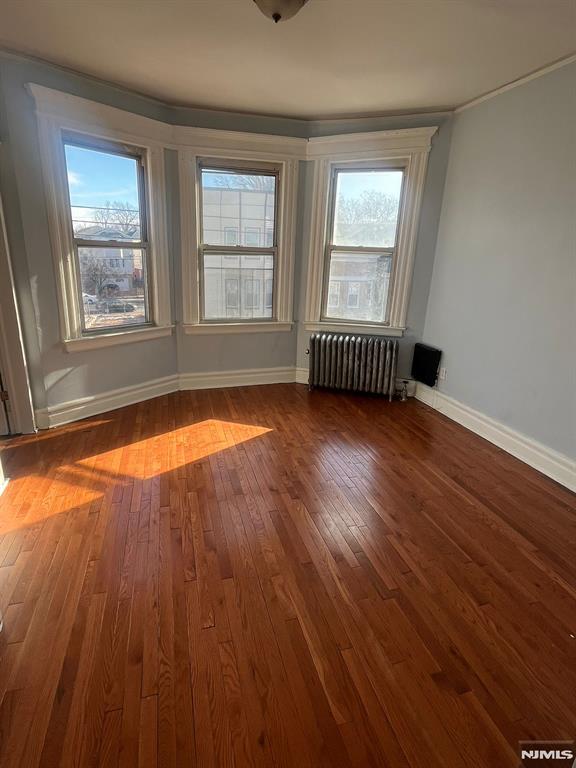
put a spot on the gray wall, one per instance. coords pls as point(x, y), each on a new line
point(502, 304)
point(59, 376)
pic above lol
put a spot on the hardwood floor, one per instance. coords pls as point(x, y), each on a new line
point(269, 577)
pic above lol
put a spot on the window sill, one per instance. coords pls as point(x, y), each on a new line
point(117, 337)
point(335, 327)
point(273, 326)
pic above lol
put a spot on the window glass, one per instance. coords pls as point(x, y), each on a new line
point(245, 202)
point(106, 207)
point(238, 209)
point(104, 194)
point(224, 272)
point(366, 207)
point(367, 279)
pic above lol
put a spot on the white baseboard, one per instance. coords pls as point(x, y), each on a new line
point(56, 415)
point(242, 378)
point(64, 413)
point(301, 375)
point(546, 460)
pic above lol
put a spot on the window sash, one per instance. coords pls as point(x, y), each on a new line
point(112, 148)
point(237, 249)
point(146, 297)
point(204, 248)
point(360, 251)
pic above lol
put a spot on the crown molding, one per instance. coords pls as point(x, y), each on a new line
point(404, 140)
point(515, 83)
point(100, 119)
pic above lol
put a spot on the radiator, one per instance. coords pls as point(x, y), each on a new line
point(357, 363)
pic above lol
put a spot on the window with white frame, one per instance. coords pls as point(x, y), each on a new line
point(366, 198)
point(365, 206)
point(103, 172)
point(110, 237)
point(242, 200)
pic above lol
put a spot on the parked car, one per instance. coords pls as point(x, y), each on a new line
point(120, 306)
point(87, 298)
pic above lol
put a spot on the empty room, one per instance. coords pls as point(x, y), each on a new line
point(287, 383)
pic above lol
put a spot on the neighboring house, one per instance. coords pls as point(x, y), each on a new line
point(103, 268)
point(358, 287)
point(238, 284)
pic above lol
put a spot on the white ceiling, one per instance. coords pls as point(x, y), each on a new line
point(335, 58)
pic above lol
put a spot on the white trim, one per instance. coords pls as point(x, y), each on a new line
point(96, 118)
point(56, 415)
point(408, 146)
point(334, 327)
point(73, 410)
point(3, 485)
point(212, 142)
point(117, 337)
point(301, 375)
point(235, 149)
point(552, 463)
point(402, 141)
point(218, 328)
point(515, 83)
point(241, 378)
point(58, 112)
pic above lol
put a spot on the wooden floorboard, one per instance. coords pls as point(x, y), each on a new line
point(265, 576)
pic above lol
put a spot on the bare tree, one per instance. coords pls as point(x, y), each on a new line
point(257, 183)
point(95, 273)
point(371, 216)
point(118, 215)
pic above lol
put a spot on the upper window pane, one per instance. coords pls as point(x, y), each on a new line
point(366, 206)
point(243, 203)
point(104, 194)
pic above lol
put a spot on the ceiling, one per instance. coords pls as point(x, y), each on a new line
point(335, 58)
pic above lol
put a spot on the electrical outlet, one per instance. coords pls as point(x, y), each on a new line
point(443, 374)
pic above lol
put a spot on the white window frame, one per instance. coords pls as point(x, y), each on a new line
point(407, 149)
point(58, 116)
point(240, 248)
point(252, 150)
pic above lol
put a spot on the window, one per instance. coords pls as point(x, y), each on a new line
point(362, 240)
point(251, 293)
point(232, 293)
point(230, 236)
point(268, 299)
point(105, 231)
point(353, 295)
point(366, 200)
point(252, 237)
point(237, 200)
point(334, 294)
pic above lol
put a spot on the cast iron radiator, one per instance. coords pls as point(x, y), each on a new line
point(357, 363)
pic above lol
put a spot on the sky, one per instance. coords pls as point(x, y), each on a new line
point(97, 177)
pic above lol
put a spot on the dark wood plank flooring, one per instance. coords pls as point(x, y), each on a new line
point(270, 577)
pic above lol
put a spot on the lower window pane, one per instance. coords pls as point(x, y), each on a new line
point(238, 286)
point(113, 283)
point(358, 286)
